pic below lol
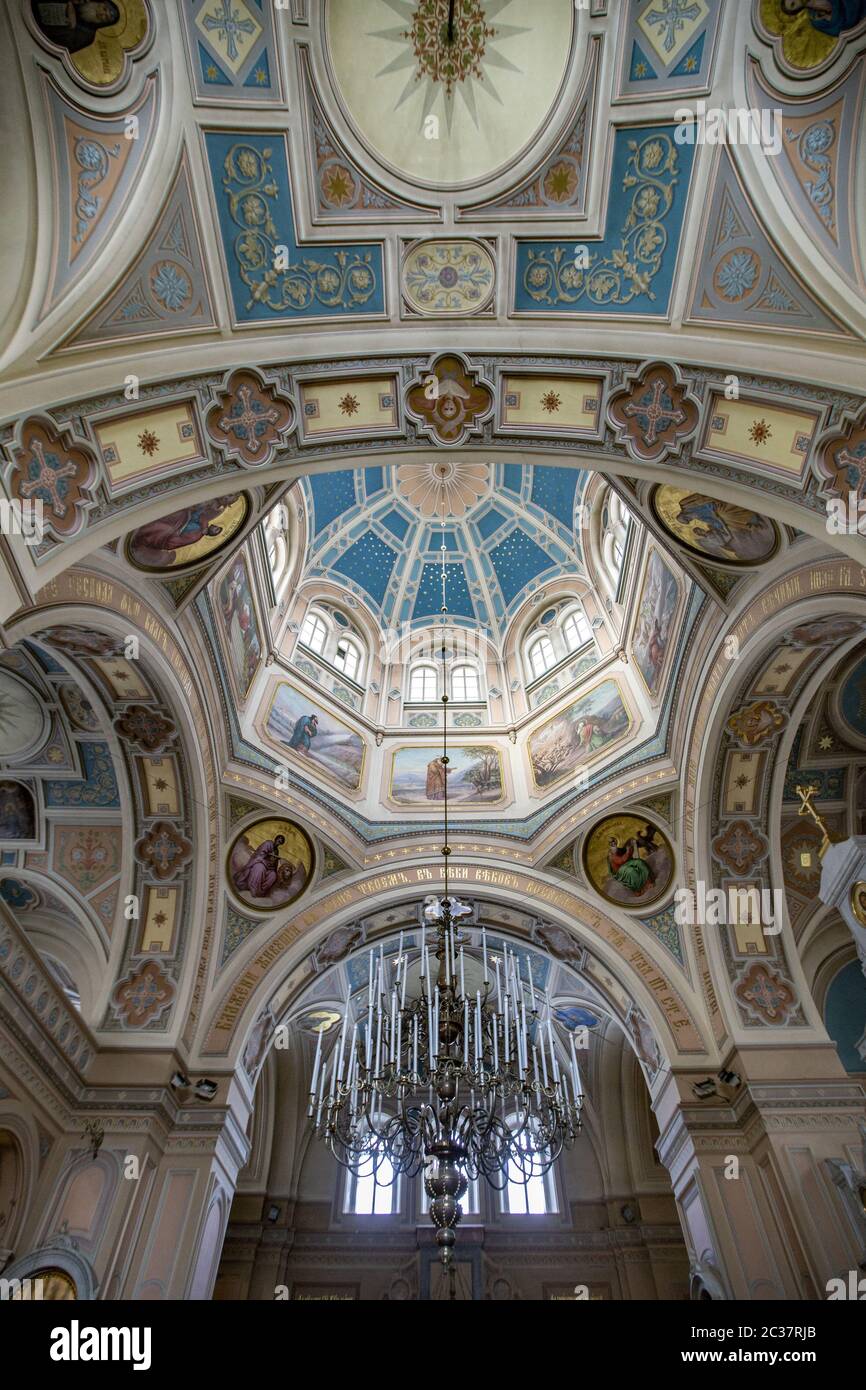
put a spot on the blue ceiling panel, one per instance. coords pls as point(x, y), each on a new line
point(368, 563)
point(333, 494)
point(518, 560)
point(428, 600)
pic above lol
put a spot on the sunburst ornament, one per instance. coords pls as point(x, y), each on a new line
point(443, 487)
point(451, 92)
point(448, 48)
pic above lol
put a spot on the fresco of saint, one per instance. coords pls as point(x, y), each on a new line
point(188, 535)
point(74, 24)
point(628, 860)
point(715, 529)
point(304, 732)
point(270, 864)
point(810, 30)
point(829, 16)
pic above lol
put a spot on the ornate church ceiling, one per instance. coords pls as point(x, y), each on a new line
point(332, 257)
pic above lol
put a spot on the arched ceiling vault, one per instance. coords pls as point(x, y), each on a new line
point(291, 286)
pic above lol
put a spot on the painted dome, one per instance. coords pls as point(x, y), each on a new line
point(506, 529)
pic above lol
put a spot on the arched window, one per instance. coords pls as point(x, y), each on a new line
point(347, 658)
point(373, 1191)
point(528, 1191)
point(541, 655)
point(314, 632)
point(616, 519)
point(423, 684)
point(576, 629)
point(276, 529)
point(465, 684)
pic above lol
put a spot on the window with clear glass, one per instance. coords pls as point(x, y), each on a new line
point(372, 1191)
point(616, 519)
point(347, 658)
point(422, 683)
point(576, 629)
point(541, 656)
point(464, 683)
point(528, 1192)
point(314, 632)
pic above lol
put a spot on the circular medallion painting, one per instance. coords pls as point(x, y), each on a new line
point(449, 92)
point(97, 34)
point(851, 704)
point(270, 864)
point(187, 537)
point(715, 530)
point(628, 860)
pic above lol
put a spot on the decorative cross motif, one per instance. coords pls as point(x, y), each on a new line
point(656, 406)
point(46, 480)
point(841, 460)
point(855, 466)
point(671, 19)
point(249, 418)
point(230, 27)
point(50, 470)
point(653, 412)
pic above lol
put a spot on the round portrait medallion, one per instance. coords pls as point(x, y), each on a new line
point(187, 537)
point(270, 864)
point(723, 532)
point(628, 860)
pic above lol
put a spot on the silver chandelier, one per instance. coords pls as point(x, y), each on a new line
point(462, 1087)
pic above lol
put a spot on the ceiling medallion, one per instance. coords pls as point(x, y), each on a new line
point(449, 92)
point(443, 486)
point(449, 41)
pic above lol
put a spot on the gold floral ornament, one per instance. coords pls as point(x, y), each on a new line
point(449, 41)
point(555, 276)
point(449, 402)
point(443, 487)
point(346, 281)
